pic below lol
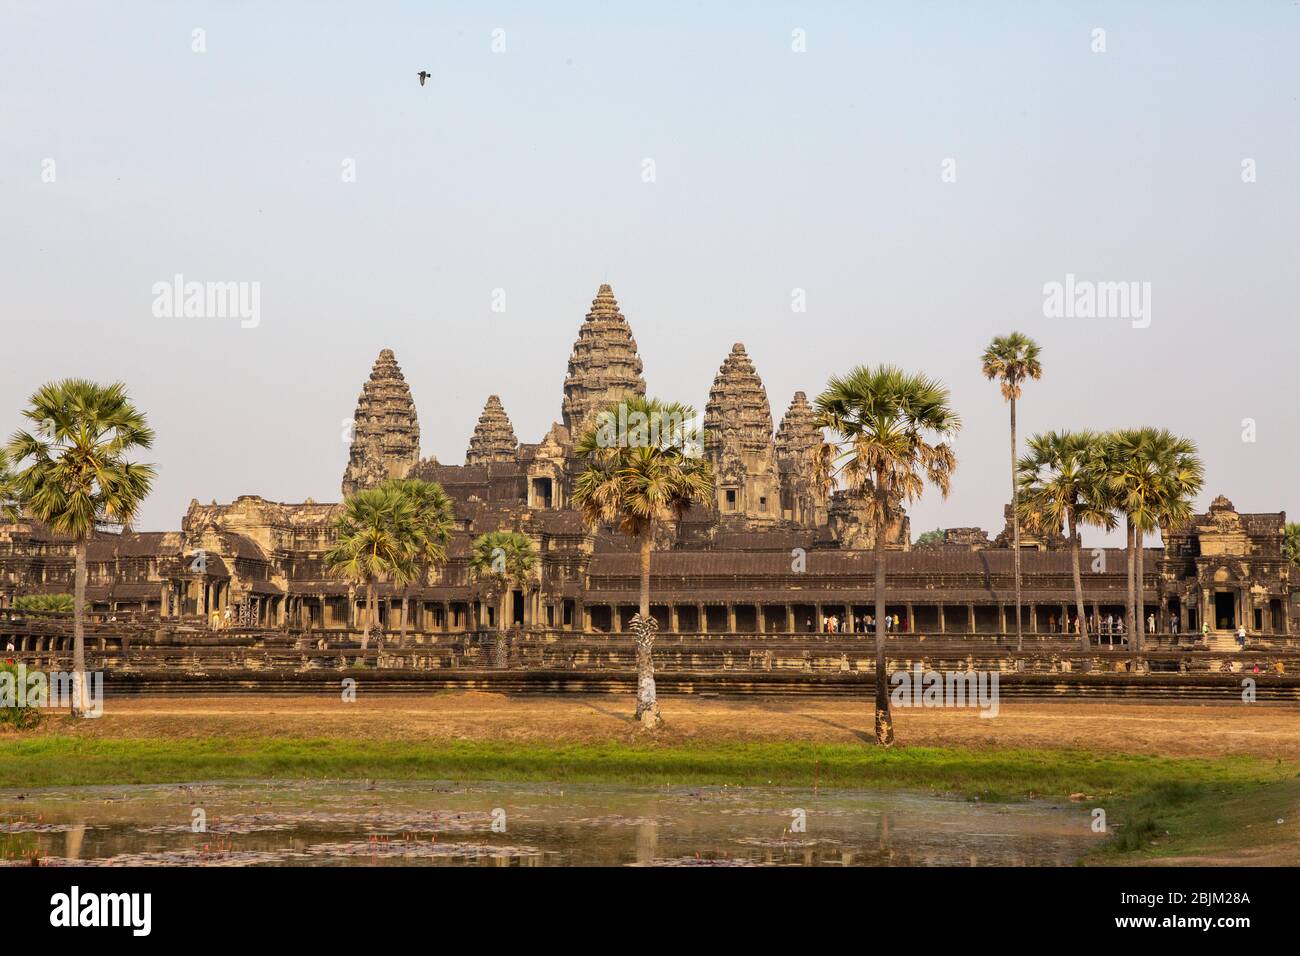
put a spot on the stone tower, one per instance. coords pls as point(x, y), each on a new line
point(738, 442)
point(494, 437)
point(385, 430)
point(803, 500)
point(604, 366)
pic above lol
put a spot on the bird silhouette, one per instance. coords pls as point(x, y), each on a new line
point(423, 75)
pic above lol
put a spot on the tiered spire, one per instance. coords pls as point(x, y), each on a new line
point(604, 366)
point(796, 442)
point(798, 433)
point(738, 407)
point(494, 437)
point(738, 441)
point(385, 429)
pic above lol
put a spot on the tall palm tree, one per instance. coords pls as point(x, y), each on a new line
point(498, 561)
point(891, 429)
point(1011, 360)
point(643, 468)
point(76, 473)
point(1156, 475)
point(1062, 484)
point(434, 520)
point(377, 539)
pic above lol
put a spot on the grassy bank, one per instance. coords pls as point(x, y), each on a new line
point(1156, 806)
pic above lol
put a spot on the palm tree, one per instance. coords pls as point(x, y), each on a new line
point(1062, 484)
point(10, 502)
point(377, 538)
point(1291, 543)
point(1012, 360)
point(643, 467)
point(78, 473)
point(498, 561)
point(434, 519)
point(891, 428)
point(1156, 475)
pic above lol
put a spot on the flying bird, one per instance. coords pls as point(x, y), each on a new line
point(423, 75)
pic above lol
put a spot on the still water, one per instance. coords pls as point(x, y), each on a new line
point(377, 823)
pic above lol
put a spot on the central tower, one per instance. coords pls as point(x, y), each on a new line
point(604, 366)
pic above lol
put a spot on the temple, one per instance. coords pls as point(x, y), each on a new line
point(773, 553)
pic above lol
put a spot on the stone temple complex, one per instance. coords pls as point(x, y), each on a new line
point(772, 554)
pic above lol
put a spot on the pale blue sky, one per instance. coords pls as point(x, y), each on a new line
point(776, 170)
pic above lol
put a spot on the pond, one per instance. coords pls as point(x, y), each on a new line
point(376, 823)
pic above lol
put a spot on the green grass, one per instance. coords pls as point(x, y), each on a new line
point(1202, 804)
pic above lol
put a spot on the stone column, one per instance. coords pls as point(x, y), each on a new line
point(971, 616)
point(943, 623)
point(731, 618)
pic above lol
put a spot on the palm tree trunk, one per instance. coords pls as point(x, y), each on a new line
point(401, 640)
point(1128, 544)
point(884, 720)
point(370, 604)
point(1076, 546)
point(647, 701)
point(1015, 526)
point(1140, 605)
point(80, 703)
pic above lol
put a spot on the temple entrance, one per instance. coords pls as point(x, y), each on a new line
point(517, 608)
point(541, 493)
point(1225, 610)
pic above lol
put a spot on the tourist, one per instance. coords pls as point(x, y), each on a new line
point(1110, 624)
point(1205, 629)
point(1151, 623)
point(895, 622)
point(9, 645)
point(1173, 624)
point(1241, 636)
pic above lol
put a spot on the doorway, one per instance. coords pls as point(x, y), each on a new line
point(1225, 610)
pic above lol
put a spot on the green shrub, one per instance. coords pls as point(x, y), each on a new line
point(15, 712)
point(44, 602)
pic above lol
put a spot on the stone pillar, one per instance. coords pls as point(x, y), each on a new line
point(790, 624)
point(731, 619)
point(674, 618)
point(971, 616)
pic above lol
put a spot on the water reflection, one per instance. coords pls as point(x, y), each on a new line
point(314, 823)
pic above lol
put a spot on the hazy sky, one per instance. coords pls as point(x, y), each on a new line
point(774, 170)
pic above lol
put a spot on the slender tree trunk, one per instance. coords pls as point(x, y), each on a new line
point(370, 605)
point(1076, 546)
point(1015, 526)
point(501, 647)
point(1139, 635)
point(1129, 537)
point(884, 719)
point(647, 701)
point(80, 703)
point(401, 641)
